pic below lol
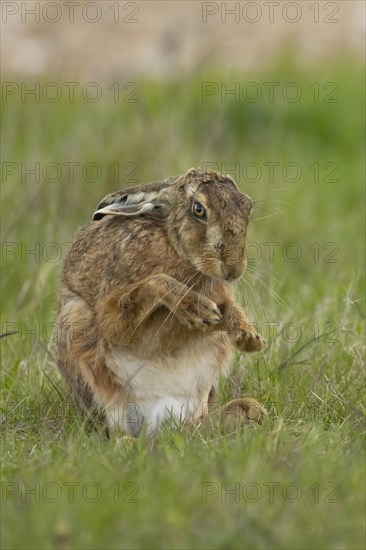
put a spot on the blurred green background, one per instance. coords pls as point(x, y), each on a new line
point(307, 297)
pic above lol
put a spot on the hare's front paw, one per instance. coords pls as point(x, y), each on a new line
point(195, 310)
point(249, 340)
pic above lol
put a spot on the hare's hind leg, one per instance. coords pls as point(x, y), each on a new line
point(236, 413)
point(80, 355)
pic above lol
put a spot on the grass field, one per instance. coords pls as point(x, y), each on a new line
point(297, 481)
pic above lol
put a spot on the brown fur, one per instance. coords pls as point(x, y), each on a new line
point(150, 282)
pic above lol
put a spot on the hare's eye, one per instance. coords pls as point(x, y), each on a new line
point(199, 210)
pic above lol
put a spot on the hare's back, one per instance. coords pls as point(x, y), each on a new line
point(112, 252)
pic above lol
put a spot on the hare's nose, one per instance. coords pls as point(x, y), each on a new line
point(233, 271)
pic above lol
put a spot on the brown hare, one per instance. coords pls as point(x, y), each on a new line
point(147, 317)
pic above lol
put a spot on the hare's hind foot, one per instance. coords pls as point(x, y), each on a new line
point(236, 413)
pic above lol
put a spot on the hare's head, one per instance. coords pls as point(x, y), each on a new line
point(205, 215)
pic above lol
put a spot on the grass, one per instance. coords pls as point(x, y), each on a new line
point(298, 479)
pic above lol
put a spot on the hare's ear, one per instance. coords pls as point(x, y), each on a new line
point(132, 205)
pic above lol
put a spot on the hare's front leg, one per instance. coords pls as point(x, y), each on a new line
point(240, 331)
point(124, 310)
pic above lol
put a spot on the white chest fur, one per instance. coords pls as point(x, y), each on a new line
point(166, 386)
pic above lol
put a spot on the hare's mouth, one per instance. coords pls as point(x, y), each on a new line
point(232, 273)
point(217, 269)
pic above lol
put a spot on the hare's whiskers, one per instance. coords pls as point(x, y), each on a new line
point(252, 290)
point(280, 201)
point(176, 305)
point(268, 216)
point(153, 307)
point(272, 292)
